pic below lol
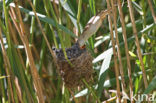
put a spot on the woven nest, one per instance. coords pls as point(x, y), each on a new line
point(80, 67)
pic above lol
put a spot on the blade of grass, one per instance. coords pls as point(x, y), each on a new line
point(3, 93)
point(71, 12)
point(36, 80)
point(20, 73)
point(103, 73)
point(151, 86)
point(78, 15)
point(7, 2)
point(44, 19)
point(92, 91)
point(131, 39)
point(68, 37)
point(138, 23)
point(42, 53)
point(7, 69)
point(52, 30)
point(2, 77)
point(32, 24)
point(92, 6)
point(108, 83)
point(14, 36)
point(59, 32)
point(137, 7)
point(9, 51)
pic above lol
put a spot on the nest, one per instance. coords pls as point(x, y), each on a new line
point(80, 67)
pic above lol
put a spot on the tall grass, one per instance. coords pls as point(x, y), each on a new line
point(123, 48)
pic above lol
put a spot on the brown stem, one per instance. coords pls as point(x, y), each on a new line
point(35, 76)
point(152, 10)
point(7, 68)
point(40, 26)
point(137, 42)
point(115, 56)
point(18, 90)
point(126, 47)
point(118, 49)
point(12, 14)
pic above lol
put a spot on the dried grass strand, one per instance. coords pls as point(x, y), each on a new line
point(115, 55)
point(152, 10)
point(126, 48)
point(40, 26)
point(8, 67)
point(23, 36)
point(11, 12)
point(18, 89)
point(137, 42)
point(118, 49)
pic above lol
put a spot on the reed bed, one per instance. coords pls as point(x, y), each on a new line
point(50, 53)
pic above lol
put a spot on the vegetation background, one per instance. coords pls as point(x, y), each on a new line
point(123, 64)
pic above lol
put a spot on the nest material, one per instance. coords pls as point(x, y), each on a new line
point(81, 67)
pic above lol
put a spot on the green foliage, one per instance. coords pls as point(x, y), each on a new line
point(63, 21)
